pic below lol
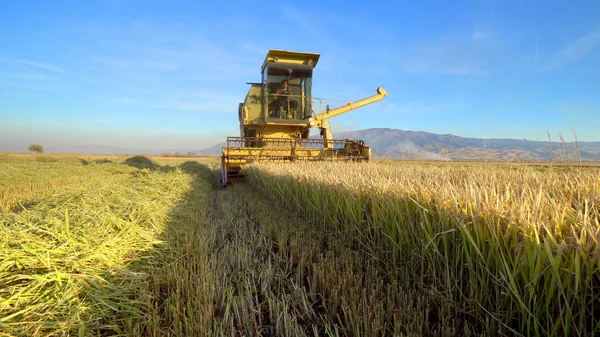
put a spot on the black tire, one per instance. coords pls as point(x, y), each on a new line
point(223, 175)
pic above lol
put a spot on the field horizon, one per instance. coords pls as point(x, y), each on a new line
point(398, 144)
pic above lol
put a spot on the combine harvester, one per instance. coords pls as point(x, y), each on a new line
point(277, 115)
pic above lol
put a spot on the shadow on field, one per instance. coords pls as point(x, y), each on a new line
point(238, 262)
point(180, 285)
point(23, 206)
point(141, 162)
point(234, 261)
point(165, 290)
point(97, 161)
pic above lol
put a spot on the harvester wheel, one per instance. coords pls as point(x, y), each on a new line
point(223, 173)
point(357, 156)
point(353, 152)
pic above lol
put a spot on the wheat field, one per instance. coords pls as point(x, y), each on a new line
point(136, 246)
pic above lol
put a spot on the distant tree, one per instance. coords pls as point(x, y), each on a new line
point(36, 148)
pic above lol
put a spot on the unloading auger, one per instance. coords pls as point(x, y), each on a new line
point(277, 115)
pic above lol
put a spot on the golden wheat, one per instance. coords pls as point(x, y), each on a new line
point(514, 244)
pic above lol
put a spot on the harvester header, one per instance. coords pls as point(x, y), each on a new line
point(278, 113)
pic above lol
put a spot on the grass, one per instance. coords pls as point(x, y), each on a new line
point(154, 247)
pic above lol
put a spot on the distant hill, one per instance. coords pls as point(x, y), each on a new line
point(214, 150)
point(396, 144)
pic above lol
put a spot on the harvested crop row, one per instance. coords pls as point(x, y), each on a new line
point(281, 275)
point(24, 181)
point(19, 199)
point(514, 249)
point(65, 262)
point(18, 172)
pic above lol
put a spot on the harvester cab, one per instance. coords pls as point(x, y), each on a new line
point(277, 115)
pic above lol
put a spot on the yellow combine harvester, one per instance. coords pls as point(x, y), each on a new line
point(277, 115)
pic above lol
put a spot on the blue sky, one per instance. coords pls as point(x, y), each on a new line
point(170, 74)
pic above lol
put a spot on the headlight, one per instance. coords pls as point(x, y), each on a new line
point(311, 123)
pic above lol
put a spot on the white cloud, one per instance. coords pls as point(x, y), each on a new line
point(205, 102)
point(481, 32)
point(132, 63)
point(10, 84)
point(28, 76)
point(195, 106)
point(577, 50)
point(580, 48)
point(28, 87)
point(445, 56)
point(34, 64)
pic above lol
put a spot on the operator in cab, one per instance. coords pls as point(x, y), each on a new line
point(284, 101)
